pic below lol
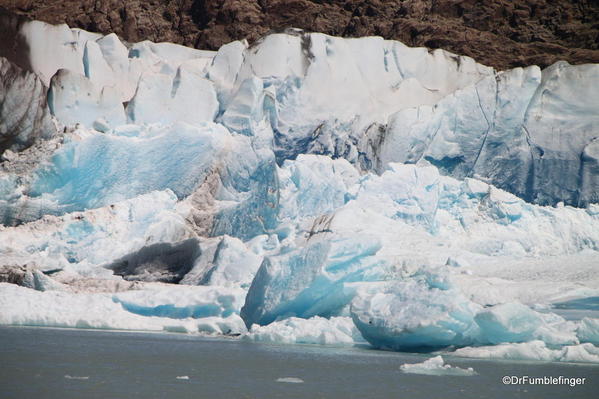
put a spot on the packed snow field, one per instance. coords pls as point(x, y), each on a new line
point(304, 189)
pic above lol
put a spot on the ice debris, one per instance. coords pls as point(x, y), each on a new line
point(290, 380)
point(533, 350)
point(436, 366)
point(316, 330)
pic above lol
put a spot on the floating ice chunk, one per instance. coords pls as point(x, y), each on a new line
point(514, 322)
point(315, 330)
point(436, 366)
point(290, 380)
point(583, 353)
point(73, 98)
point(23, 306)
point(411, 314)
point(26, 307)
point(230, 325)
point(313, 279)
point(181, 302)
point(72, 377)
point(533, 350)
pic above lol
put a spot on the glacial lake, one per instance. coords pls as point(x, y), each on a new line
point(57, 363)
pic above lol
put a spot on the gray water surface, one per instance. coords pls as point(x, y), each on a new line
point(54, 363)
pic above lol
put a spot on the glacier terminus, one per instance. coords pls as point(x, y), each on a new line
point(300, 189)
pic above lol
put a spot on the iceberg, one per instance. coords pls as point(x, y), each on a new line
point(436, 366)
point(315, 330)
point(514, 322)
point(182, 302)
point(26, 307)
point(413, 315)
point(290, 380)
point(533, 350)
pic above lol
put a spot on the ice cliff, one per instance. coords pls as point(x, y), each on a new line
point(305, 188)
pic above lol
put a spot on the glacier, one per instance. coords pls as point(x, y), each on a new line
point(301, 189)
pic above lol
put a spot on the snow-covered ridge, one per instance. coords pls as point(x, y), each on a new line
point(304, 189)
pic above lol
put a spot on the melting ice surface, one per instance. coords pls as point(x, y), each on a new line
point(307, 189)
